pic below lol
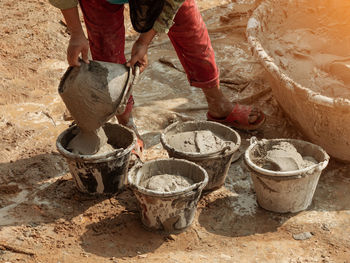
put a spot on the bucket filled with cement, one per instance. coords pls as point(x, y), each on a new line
point(103, 172)
point(208, 144)
point(285, 172)
point(168, 191)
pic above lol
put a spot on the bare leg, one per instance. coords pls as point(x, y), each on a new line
point(124, 118)
point(127, 120)
point(220, 107)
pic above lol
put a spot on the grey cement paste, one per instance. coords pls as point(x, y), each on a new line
point(94, 142)
point(166, 183)
point(203, 141)
point(92, 93)
point(283, 157)
point(310, 41)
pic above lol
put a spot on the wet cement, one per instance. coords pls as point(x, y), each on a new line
point(89, 143)
point(92, 94)
point(167, 183)
point(282, 157)
point(310, 42)
point(203, 141)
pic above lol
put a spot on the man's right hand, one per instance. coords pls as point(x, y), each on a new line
point(78, 44)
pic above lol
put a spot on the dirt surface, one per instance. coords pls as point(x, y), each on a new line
point(43, 218)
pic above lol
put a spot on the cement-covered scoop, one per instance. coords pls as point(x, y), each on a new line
point(95, 92)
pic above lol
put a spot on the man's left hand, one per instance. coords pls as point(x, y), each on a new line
point(139, 56)
point(139, 50)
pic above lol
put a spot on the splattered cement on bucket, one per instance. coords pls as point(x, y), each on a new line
point(166, 183)
point(282, 156)
point(47, 216)
point(198, 142)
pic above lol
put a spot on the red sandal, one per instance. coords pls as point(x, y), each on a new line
point(239, 118)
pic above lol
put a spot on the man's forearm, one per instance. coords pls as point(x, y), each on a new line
point(71, 16)
point(146, 38)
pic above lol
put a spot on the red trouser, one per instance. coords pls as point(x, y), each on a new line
point(189, 36)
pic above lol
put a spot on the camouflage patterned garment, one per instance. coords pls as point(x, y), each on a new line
point(166, 18)
point(162, 25)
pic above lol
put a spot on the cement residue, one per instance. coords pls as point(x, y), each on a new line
point(310, 42)
point(88, 143)
point(167, 183)
point(203, 141)
point(282, 157)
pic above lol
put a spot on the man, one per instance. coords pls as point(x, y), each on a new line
point(183, 23)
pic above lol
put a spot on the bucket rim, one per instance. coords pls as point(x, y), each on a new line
point(199, 156)
point(291, 174)
point(196, 186)
point(94, 158)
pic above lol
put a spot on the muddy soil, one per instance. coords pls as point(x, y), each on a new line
point(43, 218)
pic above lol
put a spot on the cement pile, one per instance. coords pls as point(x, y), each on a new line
point(283, 157)
point(89, 143)
point(203, 141)
point(167, 183)
point(310, 42)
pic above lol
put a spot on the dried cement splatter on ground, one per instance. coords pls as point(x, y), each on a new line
point(240, 183)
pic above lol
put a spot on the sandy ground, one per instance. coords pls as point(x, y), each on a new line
point(43, 218)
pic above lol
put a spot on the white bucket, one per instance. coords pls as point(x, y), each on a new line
point(290, 191)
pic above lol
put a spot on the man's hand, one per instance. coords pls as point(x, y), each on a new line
point(139, 50)
point(139, 56)
point(78, 44)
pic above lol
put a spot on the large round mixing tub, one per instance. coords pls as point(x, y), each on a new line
point(325, 120)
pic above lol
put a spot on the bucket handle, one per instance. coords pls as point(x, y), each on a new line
point(128, 88)
point(136, 76)
point(133, 82)
point(253, 140)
